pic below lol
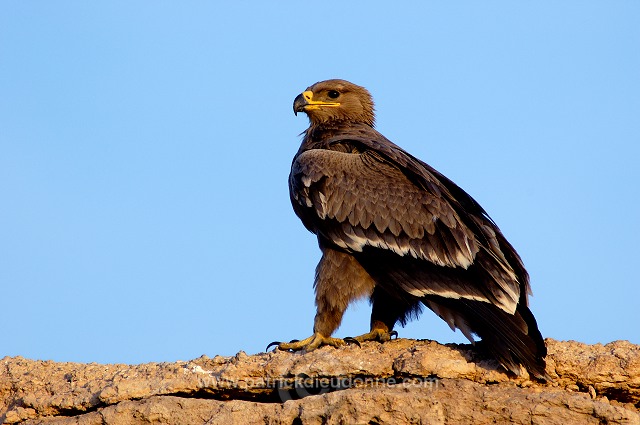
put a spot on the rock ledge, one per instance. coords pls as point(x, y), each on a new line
point(399, 382)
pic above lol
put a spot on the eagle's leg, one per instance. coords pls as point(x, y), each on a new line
point(340, 279)
point(386, 311)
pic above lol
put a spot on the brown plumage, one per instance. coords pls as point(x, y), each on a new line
point(392, 228)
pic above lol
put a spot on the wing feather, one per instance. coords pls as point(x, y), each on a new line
point(375, 196)
point(381, 197)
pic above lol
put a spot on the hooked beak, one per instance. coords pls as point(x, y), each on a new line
point(299, 103)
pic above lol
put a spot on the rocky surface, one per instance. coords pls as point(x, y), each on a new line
point(399, 382)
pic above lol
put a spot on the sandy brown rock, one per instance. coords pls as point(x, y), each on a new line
point(399, 382)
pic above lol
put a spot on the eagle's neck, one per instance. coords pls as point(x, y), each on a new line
point(325, 136)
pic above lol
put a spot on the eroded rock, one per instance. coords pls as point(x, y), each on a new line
point(399, 382)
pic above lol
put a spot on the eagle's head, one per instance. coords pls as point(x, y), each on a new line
point(335, 102)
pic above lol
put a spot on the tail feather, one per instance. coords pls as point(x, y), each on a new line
point(513, 340)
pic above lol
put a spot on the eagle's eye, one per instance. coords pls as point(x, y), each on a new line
point(333, 94)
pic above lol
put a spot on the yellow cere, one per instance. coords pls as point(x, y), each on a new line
point(316, 104)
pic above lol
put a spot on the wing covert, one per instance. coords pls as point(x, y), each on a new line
point(359, 200)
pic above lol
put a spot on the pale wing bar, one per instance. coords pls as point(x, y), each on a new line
point(361, 201)
point(376, 205)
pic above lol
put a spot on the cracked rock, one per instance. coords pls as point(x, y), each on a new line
point(398, 382)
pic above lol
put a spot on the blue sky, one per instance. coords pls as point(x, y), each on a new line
point(145, 148)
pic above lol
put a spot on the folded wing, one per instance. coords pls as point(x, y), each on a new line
point(370, 199)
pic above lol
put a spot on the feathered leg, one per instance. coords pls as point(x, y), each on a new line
point(340, 279)
point(386, 311)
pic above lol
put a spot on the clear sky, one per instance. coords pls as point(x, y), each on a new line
point(145, 148)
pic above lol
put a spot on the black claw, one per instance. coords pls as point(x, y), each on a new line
point(293, 341)
point(392, 334)
point(350, 340)
point(274, 343)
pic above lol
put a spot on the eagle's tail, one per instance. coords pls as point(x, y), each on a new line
point(512, 339)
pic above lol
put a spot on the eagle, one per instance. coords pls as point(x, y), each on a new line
point(395, 230)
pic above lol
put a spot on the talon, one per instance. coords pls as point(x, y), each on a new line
point(376, 334)
point(274, 343)
point(308, 344)
point(351, 340)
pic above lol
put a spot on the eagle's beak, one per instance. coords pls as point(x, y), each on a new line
point(304, 102)
point(299, 103)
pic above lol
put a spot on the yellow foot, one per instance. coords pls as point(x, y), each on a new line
point(314, 341)
point(376, 334)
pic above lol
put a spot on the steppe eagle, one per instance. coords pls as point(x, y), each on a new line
point(395, 230)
